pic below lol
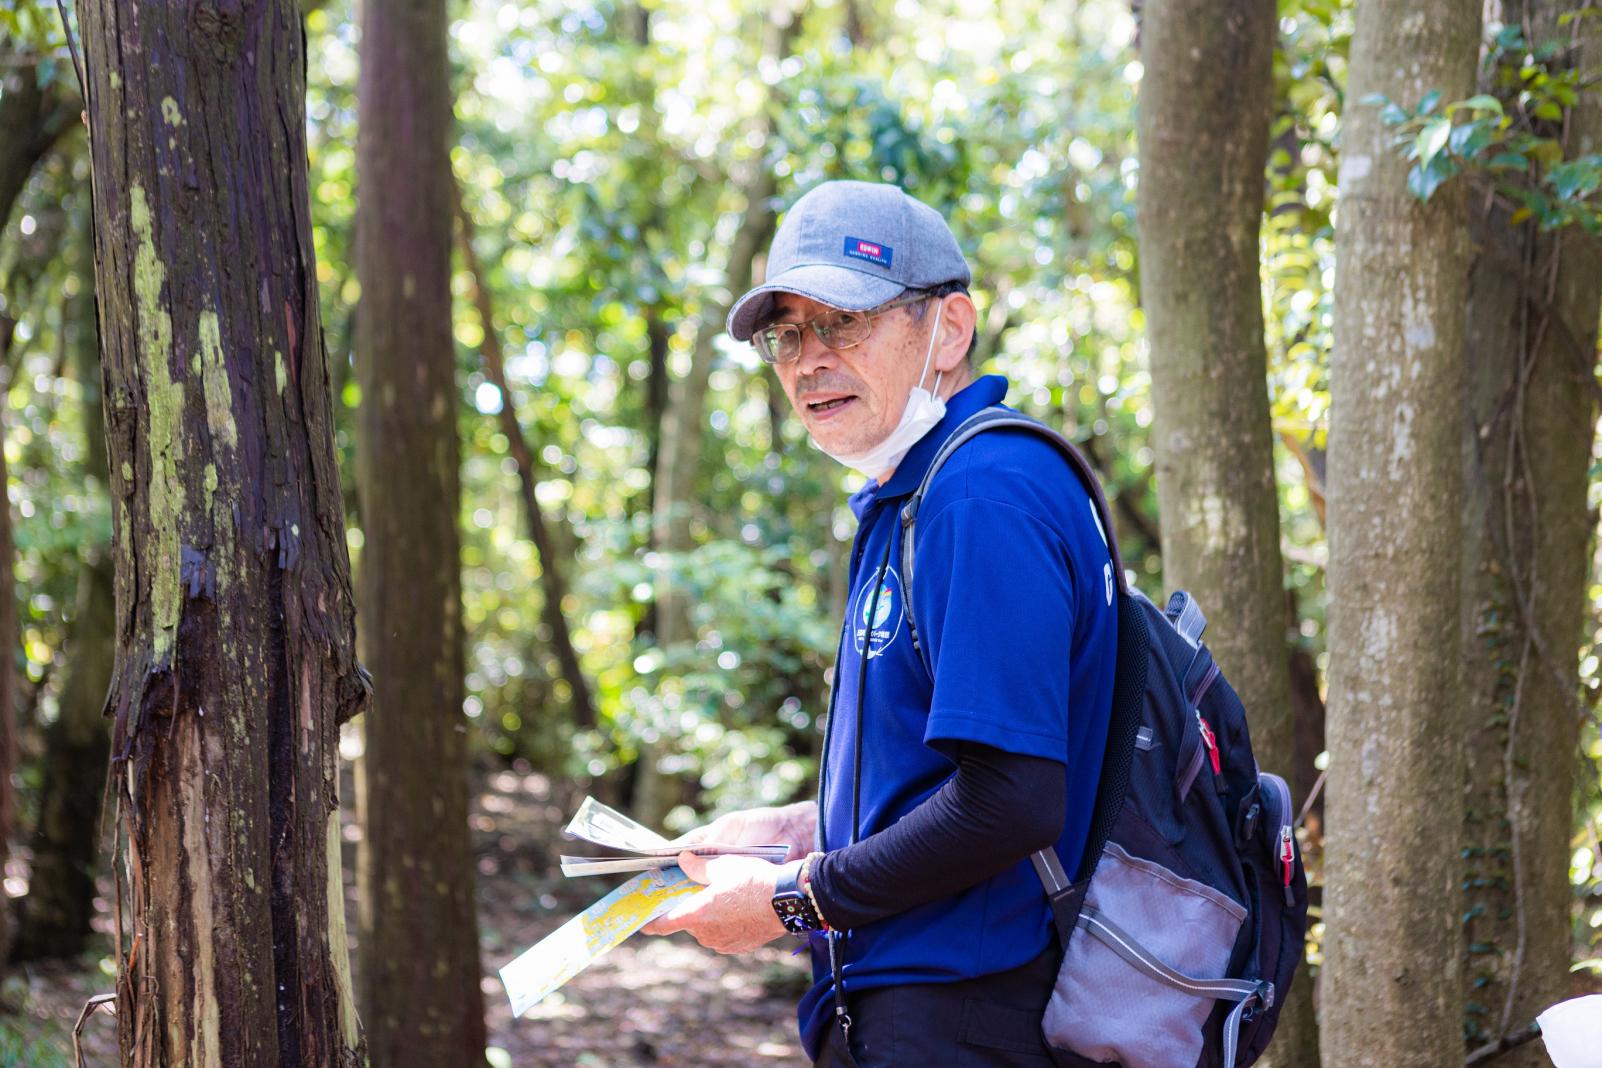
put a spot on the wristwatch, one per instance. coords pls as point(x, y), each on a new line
point(794, 908)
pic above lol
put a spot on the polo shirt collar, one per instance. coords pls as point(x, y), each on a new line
point(976, 396)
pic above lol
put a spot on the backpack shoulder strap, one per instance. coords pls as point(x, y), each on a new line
point(978, 423)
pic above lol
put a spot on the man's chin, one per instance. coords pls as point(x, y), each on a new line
point(842, 433)
point(835, 443)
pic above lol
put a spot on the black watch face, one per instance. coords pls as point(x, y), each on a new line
point(792, 909)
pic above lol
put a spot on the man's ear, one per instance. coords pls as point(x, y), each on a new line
point(956, 330)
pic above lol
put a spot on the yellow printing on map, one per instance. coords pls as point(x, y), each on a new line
point(581, 941)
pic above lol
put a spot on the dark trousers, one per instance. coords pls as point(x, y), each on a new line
point(989, 1022)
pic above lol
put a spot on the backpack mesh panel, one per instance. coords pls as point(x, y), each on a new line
point(1128, 707)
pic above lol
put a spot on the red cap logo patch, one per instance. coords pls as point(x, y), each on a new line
point(872, 251)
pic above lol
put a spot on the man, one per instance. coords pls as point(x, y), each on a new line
point(945, 767)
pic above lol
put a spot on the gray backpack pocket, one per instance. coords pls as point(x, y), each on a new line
point(1142, 1002)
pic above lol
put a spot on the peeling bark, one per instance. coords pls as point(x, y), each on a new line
point(419, 933)
point(1393, 950)
point(235, 629)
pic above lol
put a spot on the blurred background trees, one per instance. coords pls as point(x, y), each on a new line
point(650, 557)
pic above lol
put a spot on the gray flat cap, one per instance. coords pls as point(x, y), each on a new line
point(853, 245)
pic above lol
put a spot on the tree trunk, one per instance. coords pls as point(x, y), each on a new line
point(679, 458)
point(33, 117)
point(54, 918)
point(235, 625)
point(1531, 336)
point(1393, 948)
point(1203, 129)
point(8, 642)
point(419, 932)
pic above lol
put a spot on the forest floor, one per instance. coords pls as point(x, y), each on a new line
point(651, 1001)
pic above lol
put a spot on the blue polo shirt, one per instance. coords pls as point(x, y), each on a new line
point(1014, 603)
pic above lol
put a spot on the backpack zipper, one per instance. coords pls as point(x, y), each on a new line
point(1193, 766)
point(1210, 741)
point(1285, 842)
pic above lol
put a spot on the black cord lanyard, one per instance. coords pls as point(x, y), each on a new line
point(836, 964)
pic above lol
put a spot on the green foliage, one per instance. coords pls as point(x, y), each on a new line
point(601, 168)
point(1512, 138)
point(29, 1038)
point(601, 149)
point(18, 1050)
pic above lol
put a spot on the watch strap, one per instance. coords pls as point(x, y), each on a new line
point(792, 904)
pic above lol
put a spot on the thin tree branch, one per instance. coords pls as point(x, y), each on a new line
point(1511, 1041)
point(1132, 517)
point(552, 565)
point(72, 50)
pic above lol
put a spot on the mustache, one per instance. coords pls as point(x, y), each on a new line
point(829, 379)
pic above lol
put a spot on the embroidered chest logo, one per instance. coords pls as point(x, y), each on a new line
point(877, 634)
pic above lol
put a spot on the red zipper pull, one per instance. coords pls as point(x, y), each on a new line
point(1211, 742)
point(1287, 858)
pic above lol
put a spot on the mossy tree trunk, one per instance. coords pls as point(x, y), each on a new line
point(419, 932)
point(1203, 128)
point(1531, 347)
point(235, 626)
point(1393, 944)
point(54, 917)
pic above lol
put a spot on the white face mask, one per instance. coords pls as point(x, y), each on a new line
point(924, 409)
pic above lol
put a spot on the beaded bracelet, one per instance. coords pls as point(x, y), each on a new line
point(806, 884)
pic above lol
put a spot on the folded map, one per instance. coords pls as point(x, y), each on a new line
point(581, 941)
point(635, 847)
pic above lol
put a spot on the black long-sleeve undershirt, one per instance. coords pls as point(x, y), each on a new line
point(997, 809)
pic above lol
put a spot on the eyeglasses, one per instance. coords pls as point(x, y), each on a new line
point(838, 329)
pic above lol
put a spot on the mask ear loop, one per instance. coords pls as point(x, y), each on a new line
point(929, 355)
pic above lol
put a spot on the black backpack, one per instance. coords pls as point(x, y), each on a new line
point(1184, 924)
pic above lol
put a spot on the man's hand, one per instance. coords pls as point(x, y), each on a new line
point(792, 825)
point(734, 913)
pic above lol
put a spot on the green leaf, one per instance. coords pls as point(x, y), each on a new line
point(1431, 101)
point(1546, 152)
point(1507, 161)
point(1546, 109)
point(1478, 102)
point(1392, 115)
point(1575, 179)
point(1431, 139)
point(1424, 180)
point(1470, 139)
